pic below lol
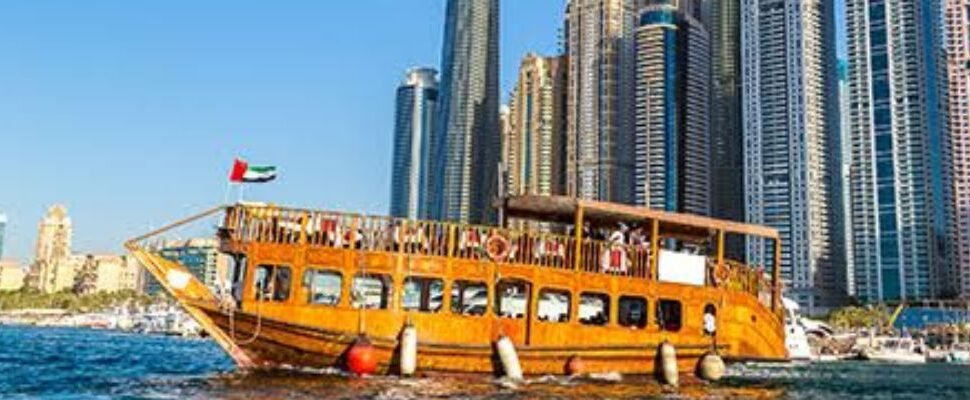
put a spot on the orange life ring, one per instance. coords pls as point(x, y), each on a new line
point(722, 274)
point(497, 247)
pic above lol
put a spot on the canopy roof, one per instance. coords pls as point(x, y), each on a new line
point(563, 210)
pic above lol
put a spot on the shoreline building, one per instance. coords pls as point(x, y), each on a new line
point(957, 56)
point(894, 128)
point(791, 144)
point(415, 117)
point(12, 275)
point(53, 267)
point(600, 47)
point(467, 147)
point(534, 129)
point(727, 162)
point(673, 102)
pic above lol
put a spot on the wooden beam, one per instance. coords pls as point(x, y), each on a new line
point(654, 249)
point(578, 253)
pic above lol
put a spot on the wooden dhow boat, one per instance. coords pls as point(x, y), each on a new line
point(307, 286)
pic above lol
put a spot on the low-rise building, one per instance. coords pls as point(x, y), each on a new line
point(12, 275)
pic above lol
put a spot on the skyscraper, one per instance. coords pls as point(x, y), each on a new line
point(467, 146)
point(727, 163)
point(600, 46)
point(3, 231)
point(791, 143)
point(957, 51)
point(893, 119)
point(535, 136)
point(673, 102)
point(415, 118)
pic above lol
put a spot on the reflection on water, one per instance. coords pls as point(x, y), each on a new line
point(69, 363)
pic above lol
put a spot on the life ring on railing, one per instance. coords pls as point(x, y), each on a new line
point(614, 259)
point(722, 274)
point(497, 247)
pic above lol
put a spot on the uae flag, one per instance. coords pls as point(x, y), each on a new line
point(242, 172)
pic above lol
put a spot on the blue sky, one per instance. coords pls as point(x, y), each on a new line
point(130, 113)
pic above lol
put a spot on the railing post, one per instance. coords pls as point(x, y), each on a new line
point(578, 251)
point(775, 277)
point(720, 253)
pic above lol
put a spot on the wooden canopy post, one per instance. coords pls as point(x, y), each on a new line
point(776, 277)
point(720, 251)
point(578, 260)
point(654, 248)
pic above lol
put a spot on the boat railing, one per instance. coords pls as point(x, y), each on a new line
point(538, 248)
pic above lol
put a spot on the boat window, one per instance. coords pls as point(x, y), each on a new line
point(272, 283)
point(669, 315)
point(371, 291)
point(633, 312)
point(594, 309)
point(324, 286)
point(554, 305)
point(423, 294)
point(469, 298)
point(511, 299)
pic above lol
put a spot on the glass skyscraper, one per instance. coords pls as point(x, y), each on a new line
point(415, 118)
point(957, 139)
point(467, 143)
point(673, 103)
point(894, 126)
point(791, 144)
point(727, 163)
point(600, 47)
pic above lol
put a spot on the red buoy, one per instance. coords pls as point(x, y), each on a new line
point(575, 366)
point(361, 358)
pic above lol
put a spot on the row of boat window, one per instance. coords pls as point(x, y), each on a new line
point(468, 297)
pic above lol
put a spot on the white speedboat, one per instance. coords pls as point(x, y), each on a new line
point(796, 340)
point(959, 354)
point(896, 350)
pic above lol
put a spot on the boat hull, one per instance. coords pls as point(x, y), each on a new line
point(275, 344)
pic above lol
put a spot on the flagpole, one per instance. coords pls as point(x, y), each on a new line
point(240, 197)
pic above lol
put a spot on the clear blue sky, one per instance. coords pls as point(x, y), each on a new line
point(130, 112)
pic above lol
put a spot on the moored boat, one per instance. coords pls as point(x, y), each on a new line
point(308, 285)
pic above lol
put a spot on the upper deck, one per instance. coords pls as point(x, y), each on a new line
point(636, 252)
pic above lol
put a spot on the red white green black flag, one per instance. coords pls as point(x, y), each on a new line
point(242, 172)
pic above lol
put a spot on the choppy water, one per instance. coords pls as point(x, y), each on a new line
point(82, 364)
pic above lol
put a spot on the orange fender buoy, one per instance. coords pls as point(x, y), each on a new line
point(575, 366)
point(362, 357)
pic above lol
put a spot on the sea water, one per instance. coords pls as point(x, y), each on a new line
point(56, 363)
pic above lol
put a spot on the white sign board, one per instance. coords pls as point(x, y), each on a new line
point(687, 269)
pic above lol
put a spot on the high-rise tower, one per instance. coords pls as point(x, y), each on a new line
point(535, 138)
point(673, 103)
point(600, 46)
point(894, 120)
point(791, 143)
point(957, 51)
point(727, 162)
point(415, 118)
point(467, 144)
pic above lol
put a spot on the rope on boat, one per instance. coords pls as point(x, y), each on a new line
point(259, 318)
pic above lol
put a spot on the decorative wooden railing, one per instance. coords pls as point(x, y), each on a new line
point(268, 224)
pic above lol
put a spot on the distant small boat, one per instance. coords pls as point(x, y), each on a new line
point(897, 350)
